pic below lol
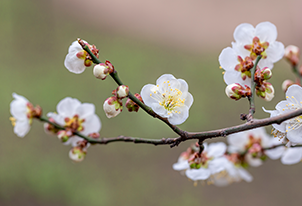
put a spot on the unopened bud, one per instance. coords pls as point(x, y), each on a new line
point(287, 83)
point(131, 105)
point(292, 54)
point(101, 71)
point(233, 91)
point(122, 91)
point(112, 106)
point(64, 135)
point(266, 73)
point(268, 94)
point(77, 154)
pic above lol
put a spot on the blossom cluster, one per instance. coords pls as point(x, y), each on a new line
point(248, 66)
point(221, 165)
point(239, 60)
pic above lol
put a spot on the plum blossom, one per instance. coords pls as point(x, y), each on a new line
point(261, 40)
point(253, 141)
point(76, 116)
point(112, 106)
point(289, 155)
point(78, 59)
point(291, 128)
point(22, 112)
point(238, 60)
point(208, 163)
point(233, 172)
point(169, 98)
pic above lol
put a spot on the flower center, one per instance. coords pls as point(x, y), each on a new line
point(74, 123)
point(244, 66)
point(199, 160)
point(293, 104)
point(257, 48)
point(169, 98)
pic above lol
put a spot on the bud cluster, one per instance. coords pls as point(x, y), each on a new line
point(264, 89)
point(236, 91)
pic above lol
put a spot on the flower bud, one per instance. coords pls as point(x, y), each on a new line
point(77, 154)
point(64, 135)
point(292, 54)
point(131, 105)
point(112, 106)
point(122, 91)
point(266, 73)
point(233, 91)
point(269, 92)
point(101, 71)
point(287, 83)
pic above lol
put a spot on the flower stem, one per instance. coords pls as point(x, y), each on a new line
point(253, 86)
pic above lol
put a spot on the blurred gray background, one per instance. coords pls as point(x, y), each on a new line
point(143, 40)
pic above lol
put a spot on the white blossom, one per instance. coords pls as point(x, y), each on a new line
point(252, 140)
point(21, 118)
point(208, 163)
point(249, 41)
point(81, 117)
point(169, 98)
point(292, 128)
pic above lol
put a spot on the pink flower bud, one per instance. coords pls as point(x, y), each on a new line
point(287, 83)
point(77, 154)
point(122, 91)
point(266, 73)
point(292, 54)
point(101, 71)
point(112, 106)
point(64, 135)
point(233, 91)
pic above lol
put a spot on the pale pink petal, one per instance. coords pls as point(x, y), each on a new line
point(198, 174)
point(292, 156)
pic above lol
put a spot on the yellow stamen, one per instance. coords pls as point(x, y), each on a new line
point(13, 121)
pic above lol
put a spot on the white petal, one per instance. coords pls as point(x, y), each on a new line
point(181, 165)
point(160, 110)
point(85, 110)
point(238, 140)
point(145, 94)
point(275, 51)
point(295, 91)
point(21, 128)
point(254, 162)
point(228, 59)
point(295, 135)
point(18, 107)
point(189, 100)
point(275, 153)
point(72, 62)
point(163, 78)
point(91, 125)
point(198, 174)
point(231, 77)
point(266, 31)
point(217, 149)
point(184, 85)
point(292, 156)
point(179, 118)
point(216, 165)
point(59, 119)
point(244, 33)
point(67, 106)
point(245, 175)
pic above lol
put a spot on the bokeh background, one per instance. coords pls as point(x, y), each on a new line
point(143, 39)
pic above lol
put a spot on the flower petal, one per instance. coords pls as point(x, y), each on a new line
point(228, 59)
point(266, 31)
point(179, 118)
point(292, 156)
point(244, 33)
point(198, 174)
point(275, 51)
point(67, 106)
point(217, 149)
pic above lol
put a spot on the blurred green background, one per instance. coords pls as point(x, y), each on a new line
point(35, 36)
